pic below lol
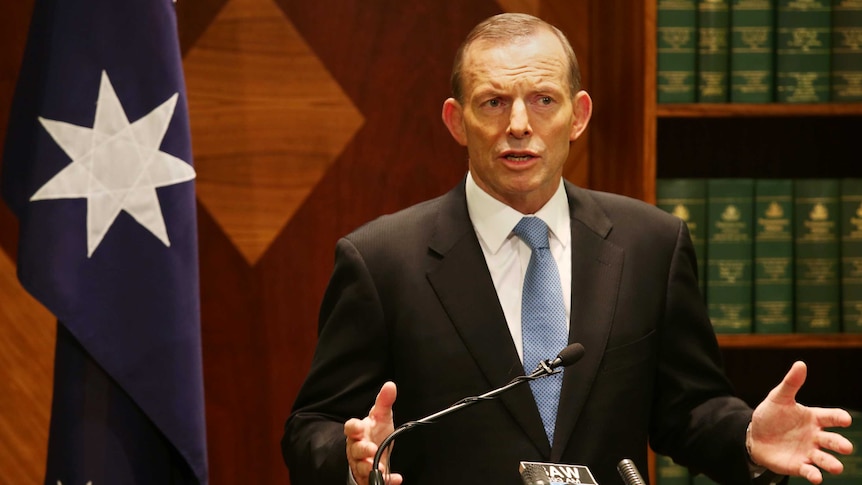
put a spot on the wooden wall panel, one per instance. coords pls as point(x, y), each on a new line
point(27, 330)
point(27, 333)
point(391, 60)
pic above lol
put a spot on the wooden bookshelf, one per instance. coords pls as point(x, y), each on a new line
point(634, 140)
point(791, 341)
point(719, 110)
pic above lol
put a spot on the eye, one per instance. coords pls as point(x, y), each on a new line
point(494, 103)
point(546, 100)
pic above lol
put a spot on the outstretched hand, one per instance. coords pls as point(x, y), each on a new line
point(788, 438)
point(365, 435)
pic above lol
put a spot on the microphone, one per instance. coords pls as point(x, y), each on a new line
point(568, 356)
point(629, 473)
point(535, 475)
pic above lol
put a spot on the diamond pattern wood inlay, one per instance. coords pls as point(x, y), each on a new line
point(267, 121)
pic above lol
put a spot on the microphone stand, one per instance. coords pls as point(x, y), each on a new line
point(544, 369)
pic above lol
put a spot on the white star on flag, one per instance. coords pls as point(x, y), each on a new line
point(116, 165)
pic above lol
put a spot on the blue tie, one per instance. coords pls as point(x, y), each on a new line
point(543, 318)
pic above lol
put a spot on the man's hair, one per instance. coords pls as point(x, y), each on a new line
point(504, 28)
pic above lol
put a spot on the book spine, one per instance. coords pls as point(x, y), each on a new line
point(676, 38)
point(846, 50)
point(817, 248)
point(686, 199)
point(730, 248)
point(669, 473)
point(851, 255)
point(803, 48)
point(773, 256)
point(713, 52)
point(752, 48)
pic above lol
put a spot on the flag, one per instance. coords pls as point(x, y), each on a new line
point(98, 169)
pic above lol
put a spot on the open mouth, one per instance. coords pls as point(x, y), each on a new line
point(518, 157)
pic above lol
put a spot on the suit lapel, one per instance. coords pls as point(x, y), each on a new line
point(463, 284)
point(596, 271)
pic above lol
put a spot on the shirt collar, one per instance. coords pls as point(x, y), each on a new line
point(494, 220)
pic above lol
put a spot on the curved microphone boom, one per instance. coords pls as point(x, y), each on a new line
point(568, 356)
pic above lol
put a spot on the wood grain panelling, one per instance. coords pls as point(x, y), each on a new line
point(14, 23)
point(268, 121)
point(27, 332)
point(26, 328)
point(573, 18)
point(617, 83)
point(341, 98)
point(531, 7)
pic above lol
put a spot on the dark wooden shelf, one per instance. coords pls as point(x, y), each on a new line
point(729, 110)
point(791, 341)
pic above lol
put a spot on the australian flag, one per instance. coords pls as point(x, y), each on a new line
point(98, 169)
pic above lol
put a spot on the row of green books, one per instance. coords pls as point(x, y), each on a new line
point(759, 51)
point(774, 255)
point(670, 473)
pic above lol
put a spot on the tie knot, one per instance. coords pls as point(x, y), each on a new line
point(532, 231)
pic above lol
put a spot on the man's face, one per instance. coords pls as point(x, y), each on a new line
point(517, 118)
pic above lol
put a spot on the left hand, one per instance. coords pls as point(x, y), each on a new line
point(788, 438)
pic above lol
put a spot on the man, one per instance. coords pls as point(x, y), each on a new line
point(431, 298)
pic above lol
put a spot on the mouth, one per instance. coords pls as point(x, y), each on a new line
point(519, 158)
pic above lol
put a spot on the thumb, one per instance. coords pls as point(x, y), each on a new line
point(793, 380)
point(382, 409)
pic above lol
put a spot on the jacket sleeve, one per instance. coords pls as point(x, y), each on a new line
point(696, 419)
point(347, 369)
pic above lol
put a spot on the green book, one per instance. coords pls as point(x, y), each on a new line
point(667, 472)
point(686, 199)
point(752, 49)
point(846, 51)
point(803, 48)
point(773, 256)
point(713, 51)
point(817, 252)
point(730, 250)
point(676, 61)
point(851, 255)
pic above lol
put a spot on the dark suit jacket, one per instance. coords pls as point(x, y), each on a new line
point(411, 300)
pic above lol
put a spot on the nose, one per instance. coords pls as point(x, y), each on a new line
point(519, 120)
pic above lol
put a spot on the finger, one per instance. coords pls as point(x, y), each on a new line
point(382, 409)
point(835, 442)
point(355, 429)
point(811, 473)
point(831, 418)
point(395, 479)
point(361, 451)
point(829, 462)
point(792, 382)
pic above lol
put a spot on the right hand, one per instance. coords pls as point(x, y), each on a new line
point(365, 435)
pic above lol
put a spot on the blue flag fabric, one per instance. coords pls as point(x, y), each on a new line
point(98, 169)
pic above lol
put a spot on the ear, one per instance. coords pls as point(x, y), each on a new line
point(453, 118)
point(583, 109)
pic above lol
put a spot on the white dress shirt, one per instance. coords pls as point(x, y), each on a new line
point(507, 256)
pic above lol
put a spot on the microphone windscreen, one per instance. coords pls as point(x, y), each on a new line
point(629, 473)
point(571, 354)
point(535, 475)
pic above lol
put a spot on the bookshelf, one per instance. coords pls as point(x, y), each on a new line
point(719, 110)
point(791, 341)
point(719, 140)
point(758, 140)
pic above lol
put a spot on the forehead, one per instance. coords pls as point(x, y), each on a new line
point(537, 58)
